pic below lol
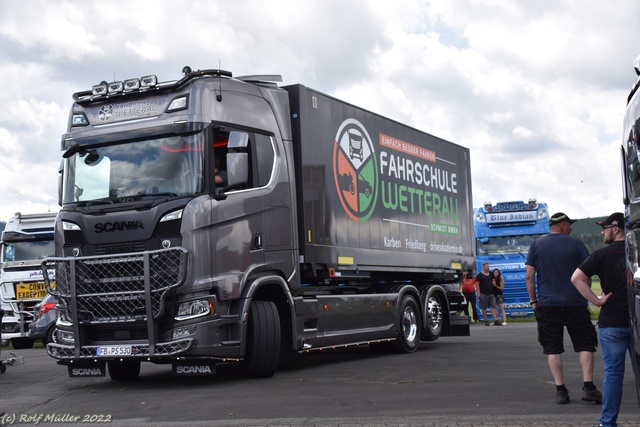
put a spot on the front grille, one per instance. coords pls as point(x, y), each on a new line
point(119, 248)
point(164, 230)
point(111, 334)
point(118, 288)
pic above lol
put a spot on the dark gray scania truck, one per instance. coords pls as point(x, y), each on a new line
point(334, 226)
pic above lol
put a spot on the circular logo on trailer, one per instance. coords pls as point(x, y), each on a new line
point(105, 113)
point(355, 170)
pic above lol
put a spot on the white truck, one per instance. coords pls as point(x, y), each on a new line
point(26, 240)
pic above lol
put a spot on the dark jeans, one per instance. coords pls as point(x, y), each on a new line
point(471, 302)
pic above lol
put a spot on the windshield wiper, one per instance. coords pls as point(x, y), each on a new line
point(87, 203)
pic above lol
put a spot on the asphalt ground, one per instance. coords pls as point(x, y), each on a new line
point(496, 377)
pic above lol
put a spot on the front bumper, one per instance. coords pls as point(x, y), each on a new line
point(169, 349)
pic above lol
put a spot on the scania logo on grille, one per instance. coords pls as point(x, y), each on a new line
point(108, 227)
point(105, 113)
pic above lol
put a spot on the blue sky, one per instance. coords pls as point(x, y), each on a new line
point(536, 90)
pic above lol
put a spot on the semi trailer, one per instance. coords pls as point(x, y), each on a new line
point(334, 226)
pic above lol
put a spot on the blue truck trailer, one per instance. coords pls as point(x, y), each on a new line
point(504, 231)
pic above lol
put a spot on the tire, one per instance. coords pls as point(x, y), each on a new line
point(263, 340)
point(49, 335)
point(123, 371)
point(435, 318)
point(22, 343)
point(408, 326)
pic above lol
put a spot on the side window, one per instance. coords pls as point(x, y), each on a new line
point(242, 159)
point(265, 157)
point(633, 160)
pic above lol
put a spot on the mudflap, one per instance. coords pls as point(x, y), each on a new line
point(80, 370)
point(460, 326)
point(194, 368)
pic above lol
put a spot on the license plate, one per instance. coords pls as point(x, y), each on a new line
point(519, 314)
point(113, 350)
point(30, 290)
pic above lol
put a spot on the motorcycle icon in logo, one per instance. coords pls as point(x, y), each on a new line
point(105, 113)
point(355, 170)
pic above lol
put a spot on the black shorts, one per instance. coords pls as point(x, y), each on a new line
point(577, 320)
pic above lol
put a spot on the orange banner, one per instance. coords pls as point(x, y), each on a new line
point(407, 148)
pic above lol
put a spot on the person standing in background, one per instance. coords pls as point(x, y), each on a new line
point(558, 304)
point(614, 331)
point(498, 287)
point(469, 292)
point(484, 286)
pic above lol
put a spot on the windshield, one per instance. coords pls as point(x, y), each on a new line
point(28, 250)
point(170, 166)
point(505, 244)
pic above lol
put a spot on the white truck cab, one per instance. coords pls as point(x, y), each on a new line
point(26, 240)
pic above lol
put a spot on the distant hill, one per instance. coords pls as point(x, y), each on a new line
point(585, 229)
point(588, 231)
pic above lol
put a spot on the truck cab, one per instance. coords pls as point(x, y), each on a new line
point(26, 240)
point(630, 151)
point(504, 231)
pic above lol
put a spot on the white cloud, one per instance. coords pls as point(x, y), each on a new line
point(535, 90)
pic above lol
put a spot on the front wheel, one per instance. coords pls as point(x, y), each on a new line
point(263, 340)
point(408, 325)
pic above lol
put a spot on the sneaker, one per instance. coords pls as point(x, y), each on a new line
point(487, 323)
point(504, 323)
point(562, 397)
point(496, 323)
point(591, 395)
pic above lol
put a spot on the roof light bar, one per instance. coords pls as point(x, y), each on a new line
point(116, 87)
point(99, 89)
point(148, 81)
point(131, 84)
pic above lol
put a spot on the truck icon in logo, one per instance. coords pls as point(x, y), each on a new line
point(355, 170)
point(105, 113)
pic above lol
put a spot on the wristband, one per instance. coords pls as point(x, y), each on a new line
point(535, 301)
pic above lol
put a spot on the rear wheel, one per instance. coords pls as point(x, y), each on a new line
point(435, 318)
point(263, 340)
point(123, 371)
point(409, 325)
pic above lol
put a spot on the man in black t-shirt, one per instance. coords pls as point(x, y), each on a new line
point(614, 331)
point(558, 305)
point(484, 286)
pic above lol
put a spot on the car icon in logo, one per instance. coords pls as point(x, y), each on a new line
point(355, 170)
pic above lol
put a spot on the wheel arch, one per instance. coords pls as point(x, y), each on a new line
point(274, 288)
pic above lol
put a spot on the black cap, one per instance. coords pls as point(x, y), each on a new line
point(616, 218)
point(560, 217)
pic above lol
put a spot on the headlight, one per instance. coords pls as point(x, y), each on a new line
point(65, 336)
point(195, 308)
point(542, 213)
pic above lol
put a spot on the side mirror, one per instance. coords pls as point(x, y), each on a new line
point(60, 182)
point(237, 159)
